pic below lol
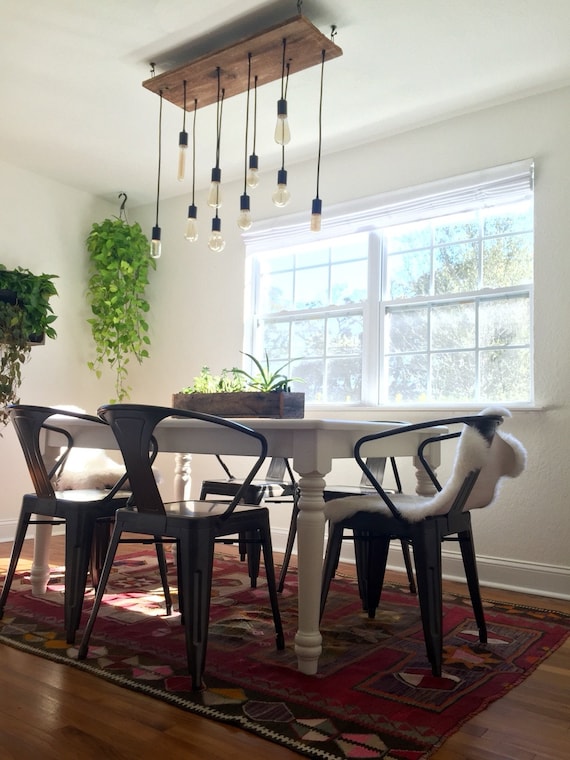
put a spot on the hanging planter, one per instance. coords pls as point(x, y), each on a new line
point(26, 319)
point(120, 264)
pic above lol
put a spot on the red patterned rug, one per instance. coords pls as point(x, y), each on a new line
point(374, 696)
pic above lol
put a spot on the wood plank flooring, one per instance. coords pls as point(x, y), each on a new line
point(53, 712)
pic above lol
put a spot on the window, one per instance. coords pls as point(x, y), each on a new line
point(418, 298)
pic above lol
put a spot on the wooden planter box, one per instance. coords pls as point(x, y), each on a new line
point(243, 404)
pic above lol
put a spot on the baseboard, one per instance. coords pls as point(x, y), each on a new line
point(509, 574)
point(512, 575)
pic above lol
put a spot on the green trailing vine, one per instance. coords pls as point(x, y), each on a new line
point(120, 264)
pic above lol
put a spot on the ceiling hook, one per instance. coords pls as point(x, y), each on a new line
point(299, 6)
point(122, 210)
point(333, 31)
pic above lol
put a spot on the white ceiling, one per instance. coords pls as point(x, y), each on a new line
point(73, 107)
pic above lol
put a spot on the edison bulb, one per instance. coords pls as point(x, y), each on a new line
point(316, 215)
point(281, 196)
point(282, 131)
point(216, 241)
point(155, 245)
point(191, 233)
point(244, 217)
point(182, 148)
point(252, 179)
point(215, 194)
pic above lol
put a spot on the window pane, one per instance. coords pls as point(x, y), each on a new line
point(456, 268)
point(312, 373)
point(504, 322)
point(505, 375)
point(344, 379)
point(456, 228)
point(344, 335)
point(349, 282)
point(276, 293)
point(453, 326)
point(408, 274)
point(517, 217)
point(507, 261)
point(407, 378)
point(312, 287)
point(275, 340)
point(453, 376)
point(408, 237)
point(308, 337)
point(406, 330)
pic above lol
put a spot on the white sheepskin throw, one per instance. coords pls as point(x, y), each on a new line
point(90, 468)
point(506, 457)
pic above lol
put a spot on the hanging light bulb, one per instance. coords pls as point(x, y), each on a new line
point(244, 217)
point(252, 178)
point(253, 173)
point(282, 131)
point(191, 234)
point(215, 194)
point(216, 241)
point(281, 196)
point(316, 215)
point(155, 245)
point(182, 143)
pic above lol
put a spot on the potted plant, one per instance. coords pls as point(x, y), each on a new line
point(237, 393)
point(120, 263)
point(26, 319)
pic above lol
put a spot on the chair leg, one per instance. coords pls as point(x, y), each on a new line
point(78, 544)
point(101, 537)
point(332, 555)
point(105, 572)
point(21, 530)
point(163, 569)
point(289, 548)
point(265, 536)
point(378, 547)
point(196, 569)
point(253, 554)
point(408, 564)
point(426, 542)
point(470, 565)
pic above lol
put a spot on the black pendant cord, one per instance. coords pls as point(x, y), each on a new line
point(194, 149)
point(184, 110)
point(159, 157)
point(284, 86)
point(283, 69)
point(247, 124)
point(320, 122)
point(254, 112)
point(219, 120)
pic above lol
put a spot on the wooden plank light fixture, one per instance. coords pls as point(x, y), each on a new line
point(291, 46)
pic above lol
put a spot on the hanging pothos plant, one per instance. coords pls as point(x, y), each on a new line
point(120, 263)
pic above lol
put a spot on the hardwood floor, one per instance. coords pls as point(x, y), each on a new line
point(55, 712)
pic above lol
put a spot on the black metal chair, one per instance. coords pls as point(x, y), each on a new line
point(277, 487)
point(86, 513)
point(483, 456)
point(377, 467)
point(195, 526)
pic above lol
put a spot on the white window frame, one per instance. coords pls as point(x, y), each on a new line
point(494, 186)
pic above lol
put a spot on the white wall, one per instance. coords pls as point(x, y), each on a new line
point(197, 305)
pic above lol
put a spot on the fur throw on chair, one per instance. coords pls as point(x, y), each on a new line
point(506, 457)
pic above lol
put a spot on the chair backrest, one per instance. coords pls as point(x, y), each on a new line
point(29, 422)
point(481, 452)
point(134, 428)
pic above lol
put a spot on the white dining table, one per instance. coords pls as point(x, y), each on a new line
point(310, 444)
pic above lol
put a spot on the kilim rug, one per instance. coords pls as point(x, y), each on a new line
point(374, 696)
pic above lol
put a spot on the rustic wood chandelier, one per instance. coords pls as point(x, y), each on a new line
point(286, 48)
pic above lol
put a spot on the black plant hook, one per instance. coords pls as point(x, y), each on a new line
point(122, 209)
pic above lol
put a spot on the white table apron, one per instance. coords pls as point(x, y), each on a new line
point(311, 444)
